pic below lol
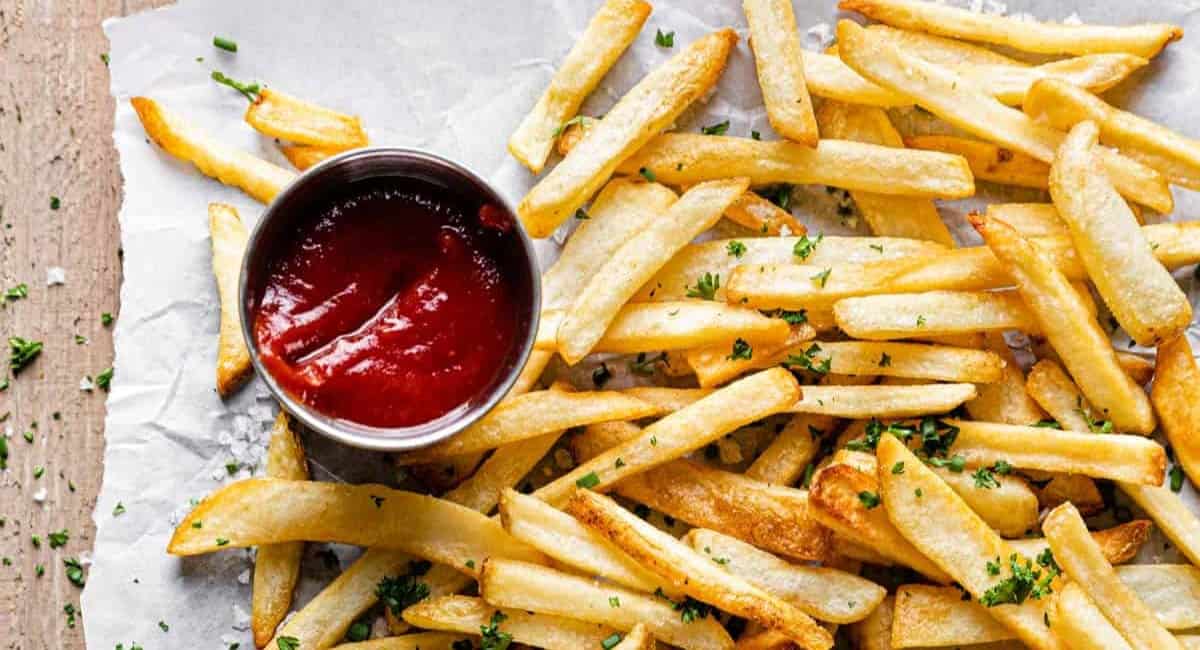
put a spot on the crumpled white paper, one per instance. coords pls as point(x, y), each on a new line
point(452, 77)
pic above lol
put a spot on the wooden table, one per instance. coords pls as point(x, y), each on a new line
point(56, 122)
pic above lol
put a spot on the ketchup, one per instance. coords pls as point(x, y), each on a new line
point(393, 303)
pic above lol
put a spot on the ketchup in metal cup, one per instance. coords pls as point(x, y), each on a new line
point(392, 304)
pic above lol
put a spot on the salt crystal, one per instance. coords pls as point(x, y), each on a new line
point(1073, 19)
point(241, 618)
point(56, 275)
point(40, 495)
point(86, 384)
point(244, 577)
point(818, 37)
point(995, 7)
point(219, 473)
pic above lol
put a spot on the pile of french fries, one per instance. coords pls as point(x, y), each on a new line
point(817, 407)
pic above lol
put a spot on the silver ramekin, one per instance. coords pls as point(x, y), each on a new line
point(317, 183)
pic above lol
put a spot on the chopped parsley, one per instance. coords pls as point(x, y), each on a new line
point(822, 278)
point(643, 365)
point(39, 471)
point(898, 468)
point(1176, 475)
point(609, 642)
point(735, 248)
point(119, 509)
point(588, 481)
point(755, 135)
point(578, 119)
point(720, 128)
point(741, 351)
point(249, 90)
point(885, 360)
point(985, 478)
point(400, 592)
point(780, 195)
point(359, 631)
point(870, 500)
point(221, 541)
point(227, 44)
point(59, 538)
point(23, 352)
point(648, 174)
point(162, 625)
point(104, 379)
point(920, 320)
point(806, 361)
point(1023, 582)
point(1047, 424)
point(805, 246)
point(17, 292)
point(55, 203)
point(288, 643)
point(614, 601)
point(106, 319)
point(491, 636)
point(104, 58)
point(74, 571)
point(664, 40)
point(793, 317)
point(706, 286)
point(582, 215)
point(601, 375)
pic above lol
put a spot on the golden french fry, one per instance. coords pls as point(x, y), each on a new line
point(609, 33)
point(1073, 332)
point(1090, 73)
point(277, 567)
point(833, 80)
point(875, 631)
point(883, 401)
point(648, 108)
point(1171, 591)
point(1119, 543)
point(783, 462)
point(678, 325)
point(598, 438)
point(942, 50)
point(771, 517)
point(989, 162)
point(1176, 521)
point(1141, 294)
point(529, 587)
point(467, 615)
point(714, 365)
point(1176, 398)
point(1031, 219)
point(961, 103)
point(1064, 105)
point(531, 415)
point(1144, 40)
point(1083, 625)
point(1079, 555)
point(1050, 386)
point(762, 216)
point(280, 115)
point(1139, 368)
point(914, 360)
point(736, 405)
point(777, 56)
point(805, 286)
point(229, 238)
point(303, 156)
point(890, 216)
point(503, 469)
point(254, 176)
point(823, 593)
point(962, 544)
point(686, 158)
point(639, 638)
point(672, 281)
point(928, 616)
point(254, 512)
point(692, 573)
point(637, 260)
point(418, 641)
point(1005, 400)
point(531, 373)
point(893, 316)
point(1072, 488)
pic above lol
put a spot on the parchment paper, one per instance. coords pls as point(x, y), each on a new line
point(454, 77)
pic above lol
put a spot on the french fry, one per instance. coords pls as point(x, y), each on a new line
point(609, 33)
point(1090, 73)
point(687, 158)
point(637, 260)
point(644, 111)
point(1031, 219)
point(1005, 400)
point(959, 102)
point(883, 401)
point(889, 216)
point(893, 316)
point(805, 286)
point(1176, 521)
point(1084, 348)
point(736, 405)
point(1050, 386)
point(1064, 105)
point(529, 587)
point(1145, 40)
point(1083, 625)
point(574, 131)
point(1171, 591)
point(254, 176)
point(714, 365)
point(1139, 368)
point(927, 616)
point(467, 615)
point(762, 216)
point(229, 238)
point(1133, 459)
point(280, 115)
point(833, 80)
point(875, 631)
point(678, 325)
point(531, 373)
point(254, 512)
point(419, 641)
point(777, 56)
point(1141, 294)
point(303, 156)
point(668, 400)
point(823, 593)
point(277, 567)
point(834, 502)
point(692, 573)
point(961, 545)
point(1177, 401)
point(771, 517)
point(505, 467)
point(671, 282)
point(1079, 555)
point(942, 50)
point(1072, 488)
point(989, 162)
point(783, 462)
point(639, 638)
point(531, 415)
point(598, 438)
point(1120, 543)
point(913, 360)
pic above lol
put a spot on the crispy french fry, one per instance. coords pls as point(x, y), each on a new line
point(736, 405)
point(1083, 625)
point(1072, 488)
point(504, 468)
point(771, 517)
point(639, 638)
point(419, 641)
point(1050, 386)
point(1091, 72)
point(280, 115)
point(1084, 348)
point(833, 80)
point(1139, 368)
point(989, 162)
point(1134, 459)
point(686, 158)
point(529, 587)
point(1145, 40)
point(637, 260)
point(1141, 294)
point(962, 545)
point(254, 512)
point(961, 103)
point(647, 109)
point(673, 279)
point(1031, 219)
point(883, 401)
point(913, 360)
point(1120, 543)
point(942, 50)
point(531, 415)
point(806, 286)
point(714, 365)
point(889, 216)
point(927, 616)
point(303, 156)
point(609, 33)
point(825, 594)
point(1176, 521)
point(229, 238)
point(668, 400)
point(783, 462)
point(467, 615)
point(762, 216)
point(1005, 400)
point(254, 176)
point(1176, 398)
point(1064, 105)
point(1079, 555)
point(776, 46)
point(598, 438)
point(277, 567)
point(692, 573)
point(678, 325)
point(531, 373)
point(875, 631)
point(892, 316)
point(1171, 591)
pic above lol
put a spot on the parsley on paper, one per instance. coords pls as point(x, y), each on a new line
point(17, 292)
point(22, 352)
point(227, 44)
point(720, 128)
point(249, 90)
point(822, 278)
point(664, 40)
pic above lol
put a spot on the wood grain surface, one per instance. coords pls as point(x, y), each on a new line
point(56, 121)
